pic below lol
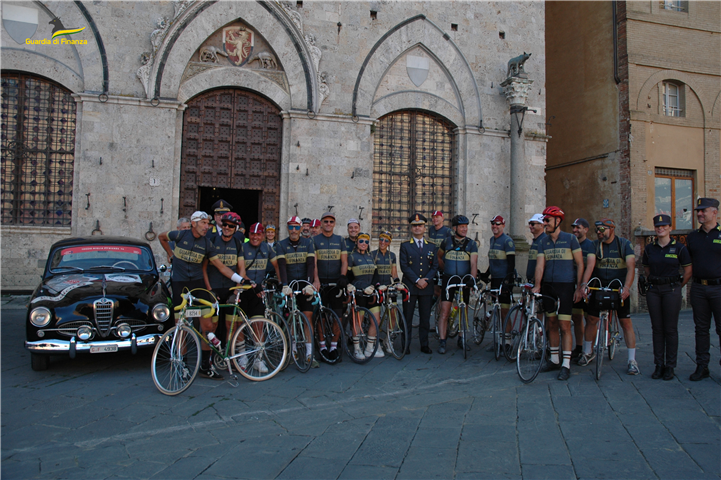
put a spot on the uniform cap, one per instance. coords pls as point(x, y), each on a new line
point(197, 216)
point(417, 219)
point(536, 218)
point(295, 219)
point(256, 228)
point(580, 222)
point(705, 203)
point(660, 220)
point(222, 206)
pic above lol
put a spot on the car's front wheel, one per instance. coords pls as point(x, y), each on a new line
point(39, 362)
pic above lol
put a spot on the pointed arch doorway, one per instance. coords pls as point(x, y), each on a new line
point(231, 145)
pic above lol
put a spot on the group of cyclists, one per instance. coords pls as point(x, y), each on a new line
point(217, 257)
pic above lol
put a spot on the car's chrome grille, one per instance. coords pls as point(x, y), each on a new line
point(70, 329)
point(103, 315)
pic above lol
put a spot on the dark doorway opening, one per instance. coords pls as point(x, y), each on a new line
point(246, 203)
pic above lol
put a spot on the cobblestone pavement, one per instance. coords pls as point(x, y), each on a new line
point(426, 416)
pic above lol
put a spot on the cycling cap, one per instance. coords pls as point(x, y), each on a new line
point(230, 217)
point(386, 235)
point(498, 218)
point(256, 228)
point(606, 222)
point(437, 213)
point(580, 222)
point(554, 211)
point(270, 227)
point(364, 235)
point(328, 214)
point(459, 220)
point(295, 219)
point(305, 220)
point(353, 220)
point(316, 223)
point(197, 216)
point(537, 218)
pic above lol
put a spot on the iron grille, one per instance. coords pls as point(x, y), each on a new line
point(38, 151)
point(413, 166)
point(103, 315)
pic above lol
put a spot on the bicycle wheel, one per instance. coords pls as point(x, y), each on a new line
point(395, 331)
point(531, 350)
point(176, 360)
point(358, 330)
point(259, 349)
point(463, 327)
point(613, 335)
point(280, 321)
point(513, 327)
point(325, 322)
point(601, 337)
point(480, 323)
point(300, 333)
point(497, 339)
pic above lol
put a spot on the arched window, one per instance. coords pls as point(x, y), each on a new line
point(412, 169)
point(673, 99)
point(38, 151)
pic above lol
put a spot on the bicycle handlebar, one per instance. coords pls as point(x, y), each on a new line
point(188, 299)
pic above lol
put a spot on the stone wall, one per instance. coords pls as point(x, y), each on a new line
point(339, 70)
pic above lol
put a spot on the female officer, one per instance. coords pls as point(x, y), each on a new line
point(361, 264)
point(661, 262)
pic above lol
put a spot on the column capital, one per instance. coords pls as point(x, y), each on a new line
point(516, 90)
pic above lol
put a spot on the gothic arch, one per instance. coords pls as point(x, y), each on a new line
point(418, 31)
point(716, 110)
point(657, 77)
point(190, 29)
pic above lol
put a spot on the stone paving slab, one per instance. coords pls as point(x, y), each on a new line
point(426, 416)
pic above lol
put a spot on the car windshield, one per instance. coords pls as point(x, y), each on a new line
point(115, 258)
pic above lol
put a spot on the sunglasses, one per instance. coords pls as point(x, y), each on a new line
point(328, 221)
point(364, 241)
point(229, 225)
point(496, 223)
point(600, 229)
point(293, 227)
point(384, 240)
point(547, 220)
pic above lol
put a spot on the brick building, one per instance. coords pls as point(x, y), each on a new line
point(146, 111)
point(634, 110)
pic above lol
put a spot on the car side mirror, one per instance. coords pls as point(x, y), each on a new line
point(162, 268)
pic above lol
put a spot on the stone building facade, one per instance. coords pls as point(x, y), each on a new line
point(280, 108)
point(634, 107)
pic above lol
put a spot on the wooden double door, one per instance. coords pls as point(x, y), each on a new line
point(231, 140)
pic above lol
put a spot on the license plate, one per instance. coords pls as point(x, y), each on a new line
point(104, 349)
point(192, 313)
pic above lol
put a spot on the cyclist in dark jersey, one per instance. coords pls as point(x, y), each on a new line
point(360, 262)
point(437, 235)
point(559, 268)
point(315, 228)
point(385, 260)
point(535, 225)
point(331, 263)
point(296, 261)
point(458, 255)
point(580, 230)
point(501, 262)
point(613, 258)
point(256, 257)
point(305, 227)
point(349, 242)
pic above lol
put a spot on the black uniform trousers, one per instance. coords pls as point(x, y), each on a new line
point(705, 301)
point(425, 302)
point(664, 305)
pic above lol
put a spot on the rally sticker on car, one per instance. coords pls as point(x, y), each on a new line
point(122, 278)
point(100, 248)
point(62, 294)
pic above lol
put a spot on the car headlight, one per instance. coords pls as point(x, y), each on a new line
point(161, 312)
point(40, 317)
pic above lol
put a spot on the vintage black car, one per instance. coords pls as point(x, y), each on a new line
point(98, 295)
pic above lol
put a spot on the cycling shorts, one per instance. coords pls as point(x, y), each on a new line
point(448, 296)
point(623, 311)
point(505, 299)
point(563, 294)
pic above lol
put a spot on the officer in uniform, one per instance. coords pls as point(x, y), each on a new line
point(419, 265)
point(704, 245)
point(662, 260)
point(220, 208)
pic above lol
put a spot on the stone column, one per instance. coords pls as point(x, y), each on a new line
point(516, 91)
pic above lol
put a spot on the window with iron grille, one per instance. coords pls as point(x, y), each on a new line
point(38, 151)
point(413, 167)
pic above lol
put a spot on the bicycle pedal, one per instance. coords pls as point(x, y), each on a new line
point(233, 381)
